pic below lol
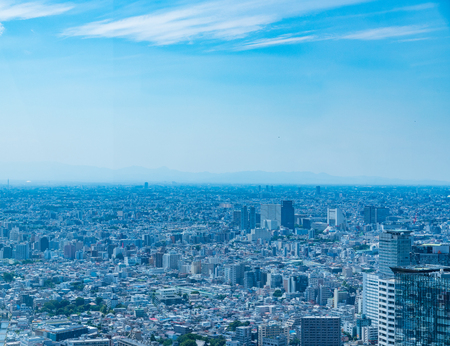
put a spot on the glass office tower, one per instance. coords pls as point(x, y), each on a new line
point(422, 306)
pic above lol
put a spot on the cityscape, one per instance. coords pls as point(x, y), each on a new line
point(224, 265)
point(225, 173)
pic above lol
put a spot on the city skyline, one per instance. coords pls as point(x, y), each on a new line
point(348, 87)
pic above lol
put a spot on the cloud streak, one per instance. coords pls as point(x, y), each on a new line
point(222, 19)
point(387, 32)
point(364, 35)
point(29, 10)
point(282, 40)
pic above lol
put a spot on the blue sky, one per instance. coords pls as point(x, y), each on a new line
point(345, 87)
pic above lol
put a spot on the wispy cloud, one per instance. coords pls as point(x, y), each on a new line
point(420, 7)
point(222, 19)
point(28, 10)
point(282, 40)
point(365, 35)
point(387, 32)
point(2, 28)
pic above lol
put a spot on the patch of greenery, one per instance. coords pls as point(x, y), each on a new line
point(233, 325)
point(8, 277)
point(277, 293)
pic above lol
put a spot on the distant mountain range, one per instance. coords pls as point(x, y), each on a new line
point(43, 173)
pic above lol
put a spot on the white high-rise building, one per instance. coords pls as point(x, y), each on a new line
point(171, 260)
point(335, 217)
point(386, 312)
point(370, 297)
point(270, 212)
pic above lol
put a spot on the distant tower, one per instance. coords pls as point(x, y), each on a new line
point(317, 190)
point(145, 185)
point(287, 214)
point(244, 218)
point(395, 246)
point(252, 218)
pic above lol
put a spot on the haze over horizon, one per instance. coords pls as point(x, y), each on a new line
point(345, 87)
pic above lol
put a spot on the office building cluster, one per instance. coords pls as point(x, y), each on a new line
point(224, 265)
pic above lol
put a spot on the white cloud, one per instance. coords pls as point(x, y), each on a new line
point(420, 7)
point(282, 40)
point(366, 35)
point(28, 10)
point(222, 19)
point(387, 32)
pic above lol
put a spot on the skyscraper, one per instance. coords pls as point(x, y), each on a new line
point(22, 251)
point(43, 244)
point(270, 212)
point(252, 218)
point(422, 306)
point(320, 331)
point(374, 215)
point(287, 214)
point(395, 248)
point(386, 312)
point(370, 297)
point(244, 218)
point(335, 217)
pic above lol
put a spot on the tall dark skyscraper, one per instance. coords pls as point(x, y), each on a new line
point(422, 306)
point(287, 214)
point(244, 218)
point(375, 214)
point(43, 244)
point(317, 190)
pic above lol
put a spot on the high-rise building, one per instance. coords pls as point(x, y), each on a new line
point(252, 218)
point(395, 249)
point(249, 279)
point(386, 312)
point(22, 251)
point(171, 260)
point(370, 297)
point(244, 335)
point(237, 218)
point(270, 331)
point(287, 214)
point(335, 217)
point(145, 185)
point(422, 306)
point(158, 259)
point(270, 212)
point(320, 331)
point(6, 252)
point(234, 274)
point(69, 251)
point(244, 219)
point(280, 340)
point(43, 244)
point(317, 190)
point(374, 215)
point(295, 283)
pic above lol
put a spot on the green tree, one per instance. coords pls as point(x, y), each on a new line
point(167, 342)
point(8, 277)
point(79, 301)
point(277, 293)
point(188, 343)
point(98, 300)
point(120, 257)
point(233, 325)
